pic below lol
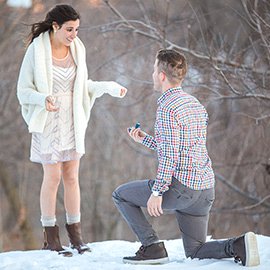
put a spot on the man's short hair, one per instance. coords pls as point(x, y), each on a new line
point(173, 64)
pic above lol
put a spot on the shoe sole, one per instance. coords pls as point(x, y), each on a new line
point(252, 253)
point(65, 253)
point(154, 261)
point(82, 251)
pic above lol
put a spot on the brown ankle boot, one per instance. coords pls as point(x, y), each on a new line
point(74, 234)
point(52, 241)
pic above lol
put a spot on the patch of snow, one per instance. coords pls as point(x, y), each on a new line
point(20, 3)
point(108, 255)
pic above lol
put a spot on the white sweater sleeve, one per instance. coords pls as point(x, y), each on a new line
point(26, 89)
point(97, 88)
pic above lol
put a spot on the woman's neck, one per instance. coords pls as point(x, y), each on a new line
point(59, 50)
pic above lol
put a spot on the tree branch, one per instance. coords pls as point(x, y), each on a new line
point(157, 37)
point(240, 191)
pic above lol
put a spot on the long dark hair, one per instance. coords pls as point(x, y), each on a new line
point(59, 14)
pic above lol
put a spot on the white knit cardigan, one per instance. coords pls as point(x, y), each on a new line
point(35, 84)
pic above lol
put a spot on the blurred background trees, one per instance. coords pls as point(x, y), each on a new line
point(227, 44)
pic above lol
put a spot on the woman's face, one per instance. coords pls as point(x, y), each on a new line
point(67, 32)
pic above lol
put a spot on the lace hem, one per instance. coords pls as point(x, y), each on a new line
point(53, 158)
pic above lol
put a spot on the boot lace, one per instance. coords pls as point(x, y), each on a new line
point(237, 259)
point(141, 251)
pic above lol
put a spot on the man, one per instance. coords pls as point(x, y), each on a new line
point(185, 180)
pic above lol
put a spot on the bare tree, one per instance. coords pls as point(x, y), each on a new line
point(233, 52)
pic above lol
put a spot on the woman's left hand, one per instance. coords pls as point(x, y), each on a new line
point(50, 104)
point(123, 92)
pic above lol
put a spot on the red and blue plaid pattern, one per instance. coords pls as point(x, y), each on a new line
point(180, 142)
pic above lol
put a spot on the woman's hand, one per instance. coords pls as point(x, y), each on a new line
point(123, 92)
point(50, 104)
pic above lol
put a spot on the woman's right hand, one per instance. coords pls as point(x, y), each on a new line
point(50, 104)
point(136, 134)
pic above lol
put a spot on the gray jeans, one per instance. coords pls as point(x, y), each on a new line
point(191, 208)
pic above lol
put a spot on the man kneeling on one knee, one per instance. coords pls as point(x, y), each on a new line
point(185, 179)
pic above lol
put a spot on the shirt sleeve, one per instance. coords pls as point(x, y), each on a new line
point(150, 142)
point(168, 148)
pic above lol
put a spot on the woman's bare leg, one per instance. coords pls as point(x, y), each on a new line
point(48, 193)
point(72, 198)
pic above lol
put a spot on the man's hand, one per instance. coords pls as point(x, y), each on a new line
point(136, 134)
point(154, 206)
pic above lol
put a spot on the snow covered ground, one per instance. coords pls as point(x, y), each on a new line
point(108, 255)
point(20, 3)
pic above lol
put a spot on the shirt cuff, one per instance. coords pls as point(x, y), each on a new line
point(160, 189)
point(157, 193)
point(147, 140)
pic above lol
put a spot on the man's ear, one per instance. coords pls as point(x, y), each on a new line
point(162, 76)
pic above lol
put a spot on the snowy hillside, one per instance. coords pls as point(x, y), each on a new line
point(108, 255)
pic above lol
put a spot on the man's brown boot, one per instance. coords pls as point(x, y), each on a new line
point(245, 249)
point(52, 241)
point(74, 234)
point(153, 254)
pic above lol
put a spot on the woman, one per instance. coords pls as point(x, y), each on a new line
point(56, 98)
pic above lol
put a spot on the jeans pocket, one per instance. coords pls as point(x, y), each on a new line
point(151, 183)
point(209, 202)
point(181, 193)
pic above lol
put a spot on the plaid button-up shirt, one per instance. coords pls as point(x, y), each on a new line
point(180, 142)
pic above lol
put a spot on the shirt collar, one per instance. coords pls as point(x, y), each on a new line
point(169, 92)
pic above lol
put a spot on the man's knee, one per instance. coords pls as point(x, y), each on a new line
point(121, 193)
point(116, 195)
point(191, 252)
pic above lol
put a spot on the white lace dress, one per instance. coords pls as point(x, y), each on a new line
point(57, 142)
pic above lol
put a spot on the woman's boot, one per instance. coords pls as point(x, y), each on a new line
point(52, 241)
point(74, 234)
